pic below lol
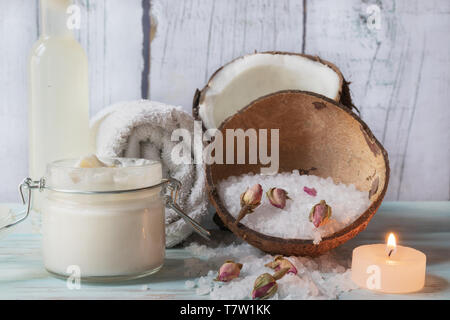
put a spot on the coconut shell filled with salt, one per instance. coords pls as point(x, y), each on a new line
point(317, 136)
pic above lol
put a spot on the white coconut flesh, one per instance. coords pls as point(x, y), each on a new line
point(253, 76)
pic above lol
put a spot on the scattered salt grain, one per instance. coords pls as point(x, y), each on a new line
point(189, 284)
point(205, 284)
point(346, 201)
point(201, 291)
point(323, 277)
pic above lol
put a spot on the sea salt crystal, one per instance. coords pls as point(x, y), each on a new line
point(201, 291)
point(189, 284)
point(323, 277)
point(205, 284)
point(346, 201)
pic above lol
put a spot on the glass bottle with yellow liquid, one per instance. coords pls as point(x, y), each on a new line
point(59, 101)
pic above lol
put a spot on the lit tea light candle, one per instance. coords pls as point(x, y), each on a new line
point(388, 267)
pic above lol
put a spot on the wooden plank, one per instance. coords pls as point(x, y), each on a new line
point(112, 35)
point(18, 32)
point(399, 73)
point(391, 69)
point(425, 163)
point(397, 81)
point(421, 225)
point(194, 38)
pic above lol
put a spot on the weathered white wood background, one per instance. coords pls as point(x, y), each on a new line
point(400, 73)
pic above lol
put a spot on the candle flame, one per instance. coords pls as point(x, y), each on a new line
point(391, 246)
point(391, 242)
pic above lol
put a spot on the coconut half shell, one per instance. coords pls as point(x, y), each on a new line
point(249, 77)
point(317, 136)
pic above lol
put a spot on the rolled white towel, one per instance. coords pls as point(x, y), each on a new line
point(143, 129)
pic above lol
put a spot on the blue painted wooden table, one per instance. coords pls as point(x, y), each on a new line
point(422, 225)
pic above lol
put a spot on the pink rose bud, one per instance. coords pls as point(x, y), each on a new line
point(252, 196)
point(277, 197)
point(310, 191)
point(228, 271)
point(266, 285)
point(280, 263)
point(320, 214)
point(250, 199)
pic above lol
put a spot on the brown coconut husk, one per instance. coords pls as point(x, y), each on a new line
point(317, 136)
point(343, 97)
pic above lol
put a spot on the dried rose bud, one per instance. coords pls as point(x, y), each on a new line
point(277, 197)
point(310, 191)
point(250, 199)
point(280, 263)
point(228, 271)
point(266, 285)
point(252, 196)
point(320, 214)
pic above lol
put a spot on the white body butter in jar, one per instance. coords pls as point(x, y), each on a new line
point(103, 223)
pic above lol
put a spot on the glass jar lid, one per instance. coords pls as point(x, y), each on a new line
point(118, 174)
point(115, 175)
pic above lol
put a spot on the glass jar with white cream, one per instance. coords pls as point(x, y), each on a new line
point(104, 223)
